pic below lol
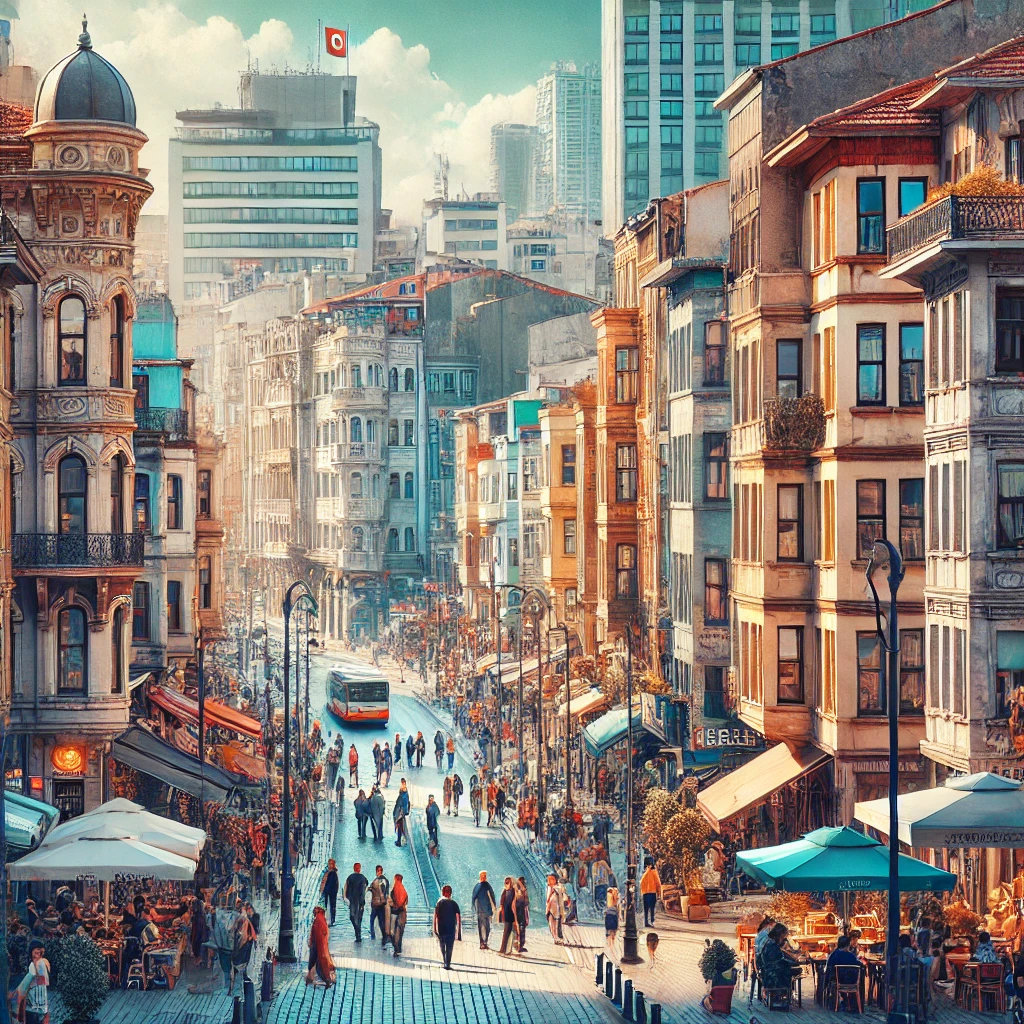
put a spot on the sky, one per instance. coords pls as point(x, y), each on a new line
point(434, 75)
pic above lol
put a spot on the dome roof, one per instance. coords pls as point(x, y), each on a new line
point(84, 87)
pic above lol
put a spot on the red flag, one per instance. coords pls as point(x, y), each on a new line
point(337, 42)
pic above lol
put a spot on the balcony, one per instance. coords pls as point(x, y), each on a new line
point(363, 508)
point(173, 423)
point(78, 550)
point(366, 344)
point(360, 398)
point(968, 218)
point(793, 424)
point(357, 451)
point(366, 561)
point(405, 328)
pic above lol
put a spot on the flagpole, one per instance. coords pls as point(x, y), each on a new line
point(348, 48)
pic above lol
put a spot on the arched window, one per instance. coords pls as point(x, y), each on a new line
point(410, 539)
point(117, 494)
point(117, 650)
point(71, 492)
point(470, 549)
point(357, 430)
point(392, 539)
point(393, 379)
point(410, 379)
point(355, 485)
point(71, 340)
point(378, 372)
point(394, 486)
point(408, 486)
point(393, 432)
point(358, 538)
point(117, 342)
point(72, 651)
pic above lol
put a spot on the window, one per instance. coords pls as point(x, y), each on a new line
point(513, 487)
point(513, 551)
point(1009, 670)
point(355, 429)
point(358, 538)
point(117, 650)
point(204, 494)
point(394, 486)
point(205, 583)
point(116, 494)
point(72, 494)
point(467, 382)
point(71, 340)
point(174, 606)
point(393, 540)
point(912, 519)
point(571, 601)
point(912, 194)
point(708, 53)
point(708, 85)
point(635, 110)
point(1009, 331)
point(870, 695)
point(568, 465)
point(714, 352)
point(701, 22)
point(871, 215)
point(672, 108)
point(538, 264)
point(671, 53)
point(393, 379)
point(140, 611)
point(912, 364)
point(637, 84)
point(708, 135)
point(636, 53)
point(1010, 508)
point(409, 490)
point(748, 54)
point(433, 382)
point(637, 25)
point(788, 376)
point(410, 437)
point(410, 539)
point(782, 50)
point(625, 571)
point(871, 364)
point(716, 592)
point(1013, 161)
point(355, 485)
point(671, 135)
point(790, 523)
point(791, 656)
point(637, 136)
point(569, 536)
point(870, 515)
point(911, 671)
point(627, 373)
point(410, 379)
point(117, 342)
point(72, 651)
point(785, 24)
point(174, 503)
point(716, 466)
point(142, 517)
point(671, 83)
point(625, 472)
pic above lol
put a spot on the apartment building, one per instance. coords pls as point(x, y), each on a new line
point(558, 505)
point(471, 229)
point(564, 251)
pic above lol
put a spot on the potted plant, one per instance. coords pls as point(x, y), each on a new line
point(82, 982)
point(718, 966)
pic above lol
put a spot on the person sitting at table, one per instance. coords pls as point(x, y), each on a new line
point(985, 953)
point(854, 938)
point(775, 964)
point(923, 939)
point(906, 949)
point(148, 932)
point(842, 956)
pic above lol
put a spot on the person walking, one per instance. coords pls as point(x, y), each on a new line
point(401, 813)
point(501, 800)
point(507, 916)
point(333, 760)
point(553, 909)
point(457, 790)
point(33, 992)
point(447, 789)
point(362, 807)
point(355, 897)
point(410, 747)
point(387, 764)
point(329, 886)
point(398, 751)
point(399, 903)
point(433, 812)
point(421, 749)
point(522, 912)
point(484, 904)
point(379, 889)
point(245, 940)
point(475, 799)
point(450, 748)
point(339, 794)
point(492, 800)
point(353, 766)
point(438, 748)
point(377, 766)
point(611, 920)
point(224, 923)
point(321, 966)
point(447, 925)
point(650, 889)
point(377, 814)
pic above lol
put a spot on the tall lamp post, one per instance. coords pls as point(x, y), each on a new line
point(535, 604)
point(883, 552)
point(630, 939)
point(286, 931)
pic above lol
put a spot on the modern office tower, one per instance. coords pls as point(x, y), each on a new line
point(665, 62)
point(568, 174)
point(287, 182)
point(513, 156)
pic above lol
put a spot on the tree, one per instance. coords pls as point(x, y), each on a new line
point(659, 809)
point(688, 835)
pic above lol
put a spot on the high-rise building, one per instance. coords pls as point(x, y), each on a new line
point(665, 62)
point(513, 157)
point(289, 181)
point(568, 172)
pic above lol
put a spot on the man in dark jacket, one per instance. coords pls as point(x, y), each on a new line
point(377, 814)
point(410, 746)
point(438, 748)
point(362, 806)
point(379, 889)
point(433, 812)
point(447, 924)
point(421, 749)
point(484, 903)
point(355, 897)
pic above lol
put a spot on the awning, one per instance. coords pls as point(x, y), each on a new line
point(593, 700)
point(26, 821)
point(484, 663)
point(510, 668)
point(141, 750)
point(217, 714)
point(134, 684)
point(757, 779)
point(603, 733)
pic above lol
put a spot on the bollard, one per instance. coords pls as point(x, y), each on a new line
point(655, 1013)
point(617, 998)
point(641, 1009)
point(627, 1000)
point(599, 979)
point(609, 984)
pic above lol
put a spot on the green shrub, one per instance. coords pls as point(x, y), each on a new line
point(82, 982)
point(717, 959)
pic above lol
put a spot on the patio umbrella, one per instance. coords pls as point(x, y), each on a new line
point(103, 858)
point(119, 825)
point(149, 822)
point(838, 860)
point(973, 810)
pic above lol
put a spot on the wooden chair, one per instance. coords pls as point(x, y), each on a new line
point(983, 980)
point(848, 981)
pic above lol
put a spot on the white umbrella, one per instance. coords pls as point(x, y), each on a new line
point(151, 822)
point(119, 825)
point(105, 859)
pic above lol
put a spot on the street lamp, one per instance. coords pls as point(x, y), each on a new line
point(630, 937)
point(286, 931)
point(882, 552)
point(535, 604)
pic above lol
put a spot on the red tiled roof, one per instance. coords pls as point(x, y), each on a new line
point(1003, 61)
point(14, 118)
point(882, 112)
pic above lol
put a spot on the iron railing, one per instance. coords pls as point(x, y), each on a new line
point(77, 550)
point(794, 423)
point(172, 422)
point(956, 217)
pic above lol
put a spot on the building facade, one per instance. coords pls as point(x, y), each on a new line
point(513, 159)
point(470, 229)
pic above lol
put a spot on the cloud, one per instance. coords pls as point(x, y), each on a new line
point(173, 62)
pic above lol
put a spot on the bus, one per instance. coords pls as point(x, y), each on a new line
point(359, 693)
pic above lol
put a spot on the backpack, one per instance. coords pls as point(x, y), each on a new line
point(378, 892)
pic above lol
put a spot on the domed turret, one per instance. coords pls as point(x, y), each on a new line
point(84, 87)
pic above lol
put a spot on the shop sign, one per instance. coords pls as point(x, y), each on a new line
point(998, 837)
point(880, 766)
point(67, 759)
point(709, 736)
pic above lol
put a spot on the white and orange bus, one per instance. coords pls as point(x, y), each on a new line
point(359, 693)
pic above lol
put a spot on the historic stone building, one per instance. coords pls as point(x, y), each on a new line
point(72, 185)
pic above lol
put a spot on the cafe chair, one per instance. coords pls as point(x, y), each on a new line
point(135, 979)
point(986, 980)
point(847, 982)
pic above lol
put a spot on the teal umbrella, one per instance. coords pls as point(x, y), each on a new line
point(838, 860)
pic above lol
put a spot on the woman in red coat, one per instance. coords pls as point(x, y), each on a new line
point(319, 955)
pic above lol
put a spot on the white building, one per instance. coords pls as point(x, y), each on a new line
point(564, 251)
point(470, 229)
point(288, 182)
